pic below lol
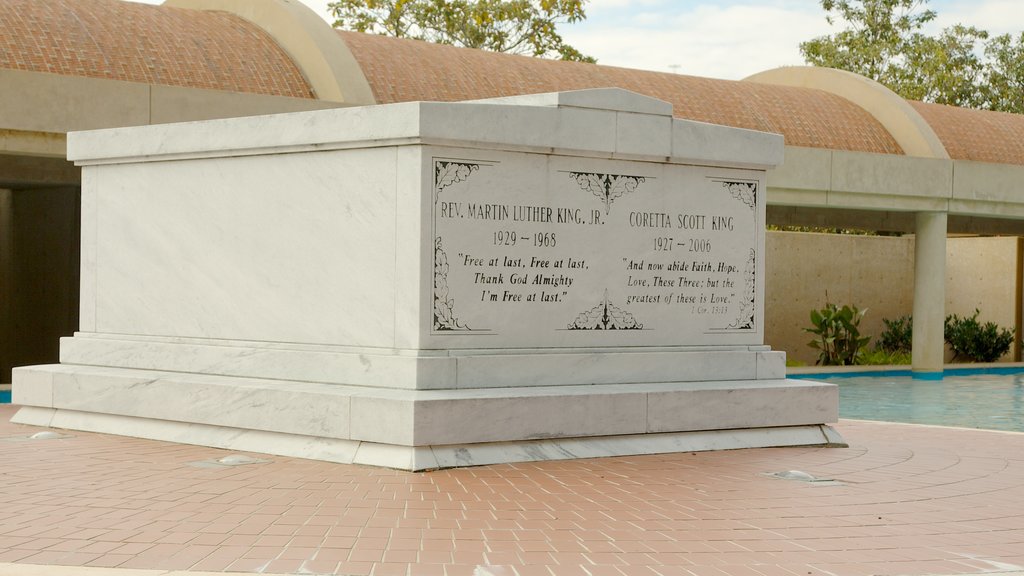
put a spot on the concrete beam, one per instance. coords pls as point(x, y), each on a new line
point(74, 103)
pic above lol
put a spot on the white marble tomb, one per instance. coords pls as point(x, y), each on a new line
point(426, 285)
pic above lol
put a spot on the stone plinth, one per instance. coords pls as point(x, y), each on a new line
point(429, 284)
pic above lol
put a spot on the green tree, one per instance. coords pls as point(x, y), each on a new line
point(879, 35)
point(1004, 76)
point(883, 40)
point(515, 26)
point(945, 69)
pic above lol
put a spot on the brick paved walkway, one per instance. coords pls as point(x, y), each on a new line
point(906, 500)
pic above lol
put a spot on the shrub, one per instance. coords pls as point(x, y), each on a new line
point(898, 335)
point(974, 341)
point(838, 342)
point(882, 357)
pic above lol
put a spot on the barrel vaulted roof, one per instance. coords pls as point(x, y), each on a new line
point(983, 136)
point(217, 50)
point(403, 70)
point(135, 42)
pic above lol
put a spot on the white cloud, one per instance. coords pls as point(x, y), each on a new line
point(729, 38)
point(996, 16)
point(707, 40)
point(736, 38)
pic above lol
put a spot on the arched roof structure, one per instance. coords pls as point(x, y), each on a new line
point(215, 49)
point(401, 70)
point(981, 136)
point(128, 41)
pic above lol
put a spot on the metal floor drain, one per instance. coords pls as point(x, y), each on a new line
point(800, 476)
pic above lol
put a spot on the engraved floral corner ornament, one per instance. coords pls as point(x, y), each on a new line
point(745, 319)
point(605, 316)
point(746, 192)
point(606, 187)
point(446, 173)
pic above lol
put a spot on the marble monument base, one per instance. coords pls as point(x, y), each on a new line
point(429, 284)
point(420, 429)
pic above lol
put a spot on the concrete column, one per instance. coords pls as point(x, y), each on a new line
point(929, 294)
point(1018, 313)
point(6, 283)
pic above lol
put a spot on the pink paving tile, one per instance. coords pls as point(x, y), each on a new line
point(297, 553)
point(569, 570)
point(354, 568)
point(605, 571)
point(108, 561)
point(283, 566)
point(474, 557)
point(426, 570)
point(48, 557)
point(935, 490)
point(366, 555)
point(400, 556)
point(459, 570)
point(248, 565)
point(502, 558)
point(438, 545)
point(531, 570)
point(320, 566)
point(334, 554)
point(390, 569)
point(434, 557)
point(470, 546)
point(130, 548)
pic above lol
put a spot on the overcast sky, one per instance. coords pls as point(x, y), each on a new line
point(729, 38)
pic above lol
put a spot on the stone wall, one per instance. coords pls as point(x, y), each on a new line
point(804, 271)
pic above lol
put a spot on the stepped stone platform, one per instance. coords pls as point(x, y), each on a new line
point(429, 285)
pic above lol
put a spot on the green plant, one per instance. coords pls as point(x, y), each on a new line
point(976, 342)
point(882, 357)
point(897, 336)
point(838, 342)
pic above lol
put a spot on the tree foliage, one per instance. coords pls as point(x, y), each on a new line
point(1005, 73)
point(516, 26)
point(883, 40)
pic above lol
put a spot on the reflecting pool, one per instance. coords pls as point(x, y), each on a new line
point(993, 401)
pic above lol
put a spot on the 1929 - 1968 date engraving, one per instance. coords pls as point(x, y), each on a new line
point(597, 251)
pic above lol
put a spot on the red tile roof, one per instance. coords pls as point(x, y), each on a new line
point(220, 51)
point(405, 70)
point(143, 43)
point(983, 136)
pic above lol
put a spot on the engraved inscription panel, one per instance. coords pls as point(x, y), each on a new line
point(552, 253)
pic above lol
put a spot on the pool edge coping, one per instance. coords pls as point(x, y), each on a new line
point(811, 372)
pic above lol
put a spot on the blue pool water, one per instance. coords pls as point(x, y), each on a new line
point(5, 396)
point(992, 400)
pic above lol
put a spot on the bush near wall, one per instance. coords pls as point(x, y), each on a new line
point(877, 272)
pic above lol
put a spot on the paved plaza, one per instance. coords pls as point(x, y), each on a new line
point(901, 500)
